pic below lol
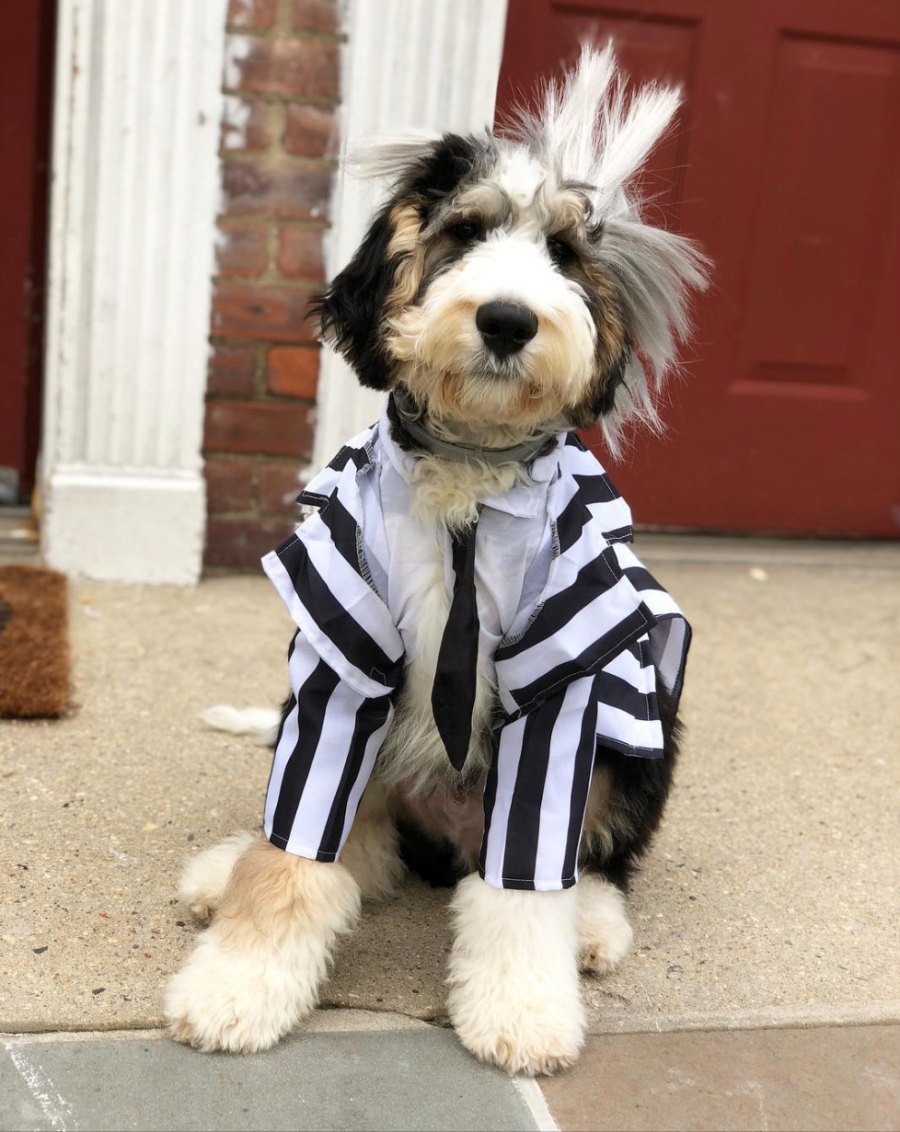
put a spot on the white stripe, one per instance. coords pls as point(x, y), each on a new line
point(556, 803)
point(614, 723)
point(508, 756)
point(325, 647)
point(611, 514)
point(350, 589)
point(373, 746)
point(303, 662)
point(670, 657)
point(587, 626)
point(335, 741)
point(628, 668)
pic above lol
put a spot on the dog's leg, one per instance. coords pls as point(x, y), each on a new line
point(604, 932)
point(257, 969)
point(515, 1000)
point(372, 852)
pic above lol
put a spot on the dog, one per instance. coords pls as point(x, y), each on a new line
point(484, 677)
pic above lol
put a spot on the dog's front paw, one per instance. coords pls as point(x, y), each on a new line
point(514, 998)
point(225, 1000)
point(516, 1029)
point(604, 932)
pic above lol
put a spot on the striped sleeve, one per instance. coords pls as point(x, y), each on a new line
point(323, 576)
point(536, 793)
point(329, 738)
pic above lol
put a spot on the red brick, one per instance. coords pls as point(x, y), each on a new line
point(294, 371)
point(266, 313)
point(246, 125)
point(291, 192)
point(256, 14)
point(275, 428)
point(231, 370)
point(297, 68)
point(229, 485)
point(279, 486)
point(242, 250)
point(310, 131)
point(300, 254)
point(238, 544)
point(315, 15)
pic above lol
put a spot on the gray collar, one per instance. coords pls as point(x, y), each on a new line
point(415, 423)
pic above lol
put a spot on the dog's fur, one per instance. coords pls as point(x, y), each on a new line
point(541, 215)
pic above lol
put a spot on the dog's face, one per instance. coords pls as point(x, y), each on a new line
point(509, 280)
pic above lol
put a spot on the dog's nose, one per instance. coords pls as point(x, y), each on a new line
point(506, 327)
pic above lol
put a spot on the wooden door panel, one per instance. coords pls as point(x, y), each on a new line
point(784, 165)
point(26, 69)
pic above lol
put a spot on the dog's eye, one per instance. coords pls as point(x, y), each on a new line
point(561, 251)
point(465, 231)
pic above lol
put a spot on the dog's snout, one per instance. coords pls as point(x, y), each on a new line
point(506, 327)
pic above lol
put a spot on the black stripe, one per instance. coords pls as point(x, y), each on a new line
point(641, 578)
point(571, 522)
point(597, 654)
point(581, 782)
point(312, 700)
point(488, 799)
point(596, 489)
point(370, 715)
point(338, 625)
point(312, 499)
point(618, 693)
point(573, 440)
point(524, 821)
point(593, 579)
point(359, 456)
point(344, 531)
point(620, 534)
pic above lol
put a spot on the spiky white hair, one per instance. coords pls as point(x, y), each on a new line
point(588, 131)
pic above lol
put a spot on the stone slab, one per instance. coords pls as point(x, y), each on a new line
point(803, 1080)
point(342, 1081)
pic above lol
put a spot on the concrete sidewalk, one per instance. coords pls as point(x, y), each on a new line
point(769, 898)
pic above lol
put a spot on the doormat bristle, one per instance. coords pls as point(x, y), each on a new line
point(34, 642)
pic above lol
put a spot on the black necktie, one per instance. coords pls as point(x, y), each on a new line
point(453, 692)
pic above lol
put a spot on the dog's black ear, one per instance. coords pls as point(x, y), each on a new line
point(350, 310)
point(601, 397)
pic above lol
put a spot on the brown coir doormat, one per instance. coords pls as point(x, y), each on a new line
point(34, 642)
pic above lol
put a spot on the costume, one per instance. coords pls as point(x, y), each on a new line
point(578, 630)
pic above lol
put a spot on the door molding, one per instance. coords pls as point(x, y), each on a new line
point(406, 65)
point(135, 194)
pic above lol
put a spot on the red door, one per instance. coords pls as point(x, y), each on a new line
point(26, 69)
point(786, 167)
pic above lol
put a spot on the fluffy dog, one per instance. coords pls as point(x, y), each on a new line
point(484, 677)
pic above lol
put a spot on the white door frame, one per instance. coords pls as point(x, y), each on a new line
point(134, 199)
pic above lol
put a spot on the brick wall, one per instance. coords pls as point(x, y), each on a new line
point(281, 82)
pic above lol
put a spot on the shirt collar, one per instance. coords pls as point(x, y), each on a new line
point(525, 500)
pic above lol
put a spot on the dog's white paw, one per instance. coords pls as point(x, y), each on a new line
point(225, 1000)
point(517, 1027)
point(604, 933)
point(207, 873)
point(514, 1000)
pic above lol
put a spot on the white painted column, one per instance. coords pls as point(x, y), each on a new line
point(408, 64)
point(135, 194)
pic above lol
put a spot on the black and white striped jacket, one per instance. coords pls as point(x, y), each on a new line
point(580, 633)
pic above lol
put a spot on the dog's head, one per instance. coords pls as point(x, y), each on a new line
point(509, 279)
